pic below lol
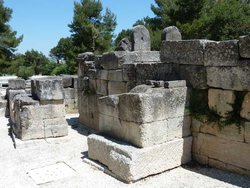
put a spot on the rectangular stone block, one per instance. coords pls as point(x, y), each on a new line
point(131, 164)
point(223, 53)
point(247, 132)
point(154, 104)
point(108, 105)
point(102, 87)
point(67, 81)
point(116, 87)
point(70, 93)
point(115, 75)
point(49, 89)
point(129, 72)
point(147, 56)
point(55, 127)
point(144, 134)
point(244, 46)
point(51, 111)
point(102, 74)
point(16, 84)
point(195, 76)
point(231, 78)
point(228, 151)
point(88, 110)
point(71, 106)
point(183, 52)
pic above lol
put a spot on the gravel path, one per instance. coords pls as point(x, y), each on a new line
point(16, 164)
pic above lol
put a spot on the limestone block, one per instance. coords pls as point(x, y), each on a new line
point(124, 45)
point(174, 84)
point(3, 103)
point(153, 71)
point(70, 93)
point(245, 107)
point(145, 134)
point(247, 132)
point(108, 105)
point(83, 84)
point(228, 132)
point(55, 127)
point(155, 105)
point(51, 111)
point(129, 72)
point(231, 78)
point(71, 106)
point(195, 76)
point(183, 52)
point(75, 81)
point(91, 73)
point(227, 151)
point(140, 38)
point(102, 74)
point(221, 101)
point(196, 124)
point(147, 56)
point(16, 84)
point(49, 89)
point(244, 46)
point(131, 164)
point(116, 87)
point(171, 33)
point(88, 110)
point(115, 75)
point(67, 81)
point(200, 159)
point(130, 85)
point(114, 60)
point(224, 53)
point(102, 87)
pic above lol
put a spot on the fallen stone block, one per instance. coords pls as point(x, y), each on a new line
point(131, 164)
point(171, 33)
point(16, 84)
point(140, 38)
point(224, 53)
point(221, 101)
point(244, 46)
point(230, 78)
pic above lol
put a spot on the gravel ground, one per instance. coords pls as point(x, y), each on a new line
point(15, 164)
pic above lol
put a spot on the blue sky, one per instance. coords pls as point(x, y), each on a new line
point(44, 22)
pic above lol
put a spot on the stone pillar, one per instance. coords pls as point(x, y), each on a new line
point(140, 39)
point(171, 33)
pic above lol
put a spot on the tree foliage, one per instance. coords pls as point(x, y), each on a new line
point(8, 39)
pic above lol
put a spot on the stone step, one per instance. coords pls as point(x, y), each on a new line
point(130, 164)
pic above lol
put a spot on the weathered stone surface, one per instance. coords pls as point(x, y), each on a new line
point(70, 93)
point(124, 45)
point(145, 134)
point(245, 107)
point(102, 87)
point(67, 81)
point(231, 152)
point(200, 159)
point(153, 71)
point(131, 164)
point(83, 84)
point(189, 52)
point(224, 53)
point(16, 84)
point(115, 75)
point(158, 104)
point(71, 106)
point(102, 74)
point(171, 33)
point(174, 84)
point(147, 56)
point(247, 132)
point(231, 78)
point(221, 101)
point(129, 72)
point(88, 110)
point(195, 76)
point(86, 56)
point(49, 89)
point(140, 38)
point(51, 111)
point(114, 60)
point(108, 105)
point(244, 46)
point(116, 87)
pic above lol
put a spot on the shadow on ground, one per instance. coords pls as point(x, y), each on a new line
point(228, 177)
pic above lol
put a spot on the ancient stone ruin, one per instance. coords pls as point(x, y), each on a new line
point(139, 103)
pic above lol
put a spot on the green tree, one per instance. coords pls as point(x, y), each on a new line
point(92, 31)
point(8, 39)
